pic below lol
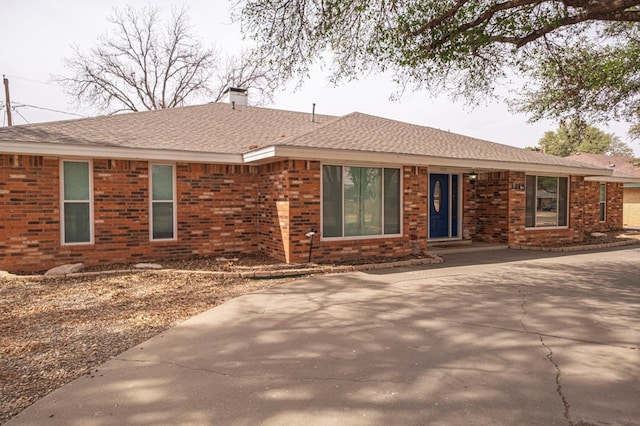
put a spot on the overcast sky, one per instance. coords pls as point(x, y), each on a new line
point(37, 34)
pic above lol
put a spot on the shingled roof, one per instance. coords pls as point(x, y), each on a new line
point(621, 166)
point(211, 128)
point(362, 132)
point(237, 133)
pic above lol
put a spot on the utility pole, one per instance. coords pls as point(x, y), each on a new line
point(7, 99)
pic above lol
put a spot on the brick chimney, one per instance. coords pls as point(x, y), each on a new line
point(235, 96)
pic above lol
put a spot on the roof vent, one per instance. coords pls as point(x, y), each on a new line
point(235, 96)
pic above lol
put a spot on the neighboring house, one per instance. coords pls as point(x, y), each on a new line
point(624, 169)
point(227, 178)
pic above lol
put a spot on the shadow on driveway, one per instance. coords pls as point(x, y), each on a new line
point(508, 337)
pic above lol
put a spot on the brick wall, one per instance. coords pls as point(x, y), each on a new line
point(29, 211)
point(291, 206)
point(615, 200)
point(592, 208)
point(216, 209)
point(215, 213)
point(273, 210)
point(226, 209)
point(492, 201)
point(520, 236)
point(469, 208)
point(306, 214)
point(631, 209)
point(303, 182)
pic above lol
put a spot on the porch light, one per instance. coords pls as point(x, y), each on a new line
point(473, 176)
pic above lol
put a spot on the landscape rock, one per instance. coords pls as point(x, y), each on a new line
point(65, 269)
point(598, 235)
point(224, 259)
point(147, 266)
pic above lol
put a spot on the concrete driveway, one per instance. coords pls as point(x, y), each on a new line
point(504, 337)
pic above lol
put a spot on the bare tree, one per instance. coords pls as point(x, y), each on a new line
point(146, 63)
point(246, 72)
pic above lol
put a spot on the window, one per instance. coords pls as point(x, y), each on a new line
point(360, 201)
point(546, 201)
point(76, 209)
point(603, 202)
point(163, 217)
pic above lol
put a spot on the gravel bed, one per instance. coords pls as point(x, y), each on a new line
point(55, 330)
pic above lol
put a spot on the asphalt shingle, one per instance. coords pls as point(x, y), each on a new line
point(218, 128)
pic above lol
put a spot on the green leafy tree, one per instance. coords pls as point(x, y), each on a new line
point(586, 82)
point(463, 47)
point(574, 137)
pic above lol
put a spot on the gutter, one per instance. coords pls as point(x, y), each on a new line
point(272, 153)
point(116, 152)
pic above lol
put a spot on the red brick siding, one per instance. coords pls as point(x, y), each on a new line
point(224, 209)
point(592, 207)
point(216, 209)
point(216, 214)
point(517, 206)
point(273, 210)
point(493, 214)
point(519, 236)
point(469, 208)
point(29, 211)
point(303, 182)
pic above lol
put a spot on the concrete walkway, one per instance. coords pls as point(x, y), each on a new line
point(502, 337)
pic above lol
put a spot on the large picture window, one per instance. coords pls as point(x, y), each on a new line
point(360, 201)
point(546, 201)
point(163, 209)
point(76, 202)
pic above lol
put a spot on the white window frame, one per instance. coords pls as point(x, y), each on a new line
point(63, 201)
point(602, 204)
point(532, 228)
point(174, 202)
point(361, 237)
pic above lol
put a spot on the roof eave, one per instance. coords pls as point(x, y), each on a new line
point(273, 153)
point(93, 151)
point(622, 179)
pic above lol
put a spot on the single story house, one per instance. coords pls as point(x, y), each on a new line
point(626, 170)
point(222, 178)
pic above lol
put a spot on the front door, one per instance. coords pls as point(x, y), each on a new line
point(439, 206)
point(443, 206)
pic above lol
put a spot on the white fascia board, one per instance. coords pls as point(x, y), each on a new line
point(92, 151)
point(260, 155)
point(623, 179)
point(272, 153)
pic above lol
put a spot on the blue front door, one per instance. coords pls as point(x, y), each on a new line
point(439, 217)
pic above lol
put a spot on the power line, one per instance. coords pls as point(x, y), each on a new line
point(30, 80)
point(45, 109)
point(18, 112)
